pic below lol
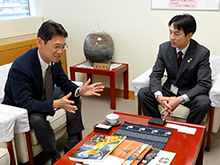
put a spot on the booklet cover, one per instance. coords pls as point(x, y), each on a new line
point(141, 155)
point(97, 148)
point(157, 157)
point(121, 153)
point(133, 157)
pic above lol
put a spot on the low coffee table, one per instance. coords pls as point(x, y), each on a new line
point(189, 148)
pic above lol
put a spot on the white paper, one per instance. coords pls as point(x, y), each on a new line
point(162, 158)
point(110, 160)
point(182, 129)
point(103, 126)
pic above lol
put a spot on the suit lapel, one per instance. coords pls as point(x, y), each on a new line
point(173, 58)
point(189, 56)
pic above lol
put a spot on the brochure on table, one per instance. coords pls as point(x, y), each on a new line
point(97, 148)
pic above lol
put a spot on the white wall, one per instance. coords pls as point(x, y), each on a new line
point(135, 28)
point(18, 27)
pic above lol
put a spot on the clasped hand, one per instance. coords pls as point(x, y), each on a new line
point(169, 104)
point(86, 90)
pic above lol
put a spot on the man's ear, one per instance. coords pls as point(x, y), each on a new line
point(189, 35)
point(39, 42)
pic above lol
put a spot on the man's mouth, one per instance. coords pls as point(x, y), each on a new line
point(57, 56)
point(172, 43)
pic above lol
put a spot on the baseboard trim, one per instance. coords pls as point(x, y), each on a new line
point(119, 93)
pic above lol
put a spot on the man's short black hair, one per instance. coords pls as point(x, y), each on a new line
point(185, 22)
point(49, 29)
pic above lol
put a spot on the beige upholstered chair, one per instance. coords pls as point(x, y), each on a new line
point(212, 119)
point(58, 123)
point(4, 156)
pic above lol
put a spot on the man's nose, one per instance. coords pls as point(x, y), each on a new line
point(60, 51)
point(172, 36)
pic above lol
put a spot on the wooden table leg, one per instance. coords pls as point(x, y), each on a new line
point(72, 75)
point(126, 84)
point(11, 152)
point(29, 147)
point(199, 160)
point(209, 137)
point(112, 91)
point(89, 76)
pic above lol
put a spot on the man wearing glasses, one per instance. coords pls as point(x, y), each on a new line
point(27, 87)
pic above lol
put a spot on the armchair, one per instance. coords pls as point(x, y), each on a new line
point(28, 147)
point(212, 119)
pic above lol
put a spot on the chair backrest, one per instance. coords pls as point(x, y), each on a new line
point(215, 65)
point(3, 77)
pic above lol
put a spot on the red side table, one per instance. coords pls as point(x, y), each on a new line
point(123, 68)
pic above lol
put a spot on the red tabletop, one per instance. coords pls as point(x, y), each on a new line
point(189, 148)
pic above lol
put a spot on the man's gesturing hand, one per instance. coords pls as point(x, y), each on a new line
point(93, 89)
point(65, 104)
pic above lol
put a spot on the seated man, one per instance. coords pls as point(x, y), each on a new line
point(30, 85)
point(188, 74)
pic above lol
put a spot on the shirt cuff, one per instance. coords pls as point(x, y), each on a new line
point(77, 95)
point(186, 98)
point(157, 93)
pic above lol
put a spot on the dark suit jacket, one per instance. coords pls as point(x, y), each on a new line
point(24, 86)
point(194, 76)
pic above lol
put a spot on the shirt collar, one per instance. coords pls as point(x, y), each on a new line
point(43, 64)
point(183, 50)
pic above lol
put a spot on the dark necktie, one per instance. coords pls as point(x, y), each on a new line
point(180, 58)
point(48, 84)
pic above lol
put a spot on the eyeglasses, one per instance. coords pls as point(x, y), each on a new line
point(56, 46)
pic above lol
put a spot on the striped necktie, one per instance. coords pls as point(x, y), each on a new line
point(48, 84)
point(180, 58)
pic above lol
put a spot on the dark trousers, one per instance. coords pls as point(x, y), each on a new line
point(198, 106)
point(44, 132)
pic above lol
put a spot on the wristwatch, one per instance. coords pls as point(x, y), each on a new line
point(182, 100)
point(78, 92)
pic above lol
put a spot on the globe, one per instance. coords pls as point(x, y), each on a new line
point(98, 47)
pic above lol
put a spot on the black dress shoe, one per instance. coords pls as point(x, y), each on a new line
point(66, 150)
point(54, 160)
point(71, 142)
point(55, 156)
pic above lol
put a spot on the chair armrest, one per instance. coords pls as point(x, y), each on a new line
point(4, 69)
point(214, 64)
point(141, 81)
point(214, 93)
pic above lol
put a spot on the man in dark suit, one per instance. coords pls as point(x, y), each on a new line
point(188, 82)
point(26, 88)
